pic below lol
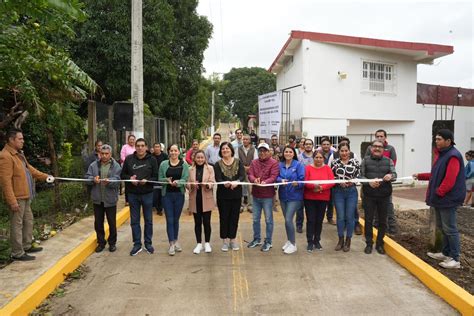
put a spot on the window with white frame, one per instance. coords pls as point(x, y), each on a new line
point(378, 77)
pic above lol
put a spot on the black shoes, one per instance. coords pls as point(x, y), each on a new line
point(99, 248)
point(380, 249)
point(34, 249)
point(149, 249)
point(368, 249)
point(25, 257)
point(112, 248)
point(299, 229)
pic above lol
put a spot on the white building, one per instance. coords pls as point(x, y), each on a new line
point(353, 86)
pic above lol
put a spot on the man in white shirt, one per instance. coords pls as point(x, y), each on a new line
point(212, 151)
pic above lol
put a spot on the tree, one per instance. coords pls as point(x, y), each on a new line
point(174, 40)
point(35, 72)
point(242, 88)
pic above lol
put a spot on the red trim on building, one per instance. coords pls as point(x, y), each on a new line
point(430, 49)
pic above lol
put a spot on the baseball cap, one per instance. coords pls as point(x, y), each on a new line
point(263, 145)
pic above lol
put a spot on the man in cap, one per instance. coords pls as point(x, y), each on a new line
point(446, 192)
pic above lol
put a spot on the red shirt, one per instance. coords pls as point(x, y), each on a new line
point(449, 180)
point(322, 173)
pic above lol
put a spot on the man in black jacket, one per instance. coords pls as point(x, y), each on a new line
point(159, 156)
point(140, 167)
point(376, 193)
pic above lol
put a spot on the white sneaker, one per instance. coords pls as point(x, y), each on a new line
point(438, 256)
point(172, 250)
point(225, 247)
point(207, 247)
point(286, 245)
point(198, 249)
point(234, 246)
point(450, 264)
point(290, 249)
point(177, 247)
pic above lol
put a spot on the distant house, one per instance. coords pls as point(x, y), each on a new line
point(344, 85)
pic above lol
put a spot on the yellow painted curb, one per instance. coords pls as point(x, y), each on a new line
point(33, 295)
point(452, 293)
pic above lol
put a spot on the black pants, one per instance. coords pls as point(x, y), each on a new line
point(157, 200)
point(372, 206)
point(229, 213)
point(202, 219)
point(315, 210)
point(100, 211)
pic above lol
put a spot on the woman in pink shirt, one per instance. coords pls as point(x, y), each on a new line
point(316, 198)
point(127, 149)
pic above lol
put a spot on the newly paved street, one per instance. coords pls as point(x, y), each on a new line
point(245, 281)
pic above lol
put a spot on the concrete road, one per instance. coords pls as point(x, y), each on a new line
point(247, 281)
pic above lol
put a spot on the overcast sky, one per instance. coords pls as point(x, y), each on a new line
point(250, 33)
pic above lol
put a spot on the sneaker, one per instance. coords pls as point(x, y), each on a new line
point(197, 249)
point(290, 249)
point(171, 250)
point(317, 246)
point(234, 246)
point(368, 249)
point(266, 247)
point(149, 249)
point(310, 248)
point(25, 257)
point(99, 248)
point(380, 249)
point(286, 245)
point(450, 264)
point(135, 250)
point(207, 247)
point(254, 243)
point(34, 249)
point(299, 229)
point(438, 256)
point(225, 247)
point(177, 247)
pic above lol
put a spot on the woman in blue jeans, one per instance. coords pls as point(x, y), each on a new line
point(345, 194)
point(290, 194)
point(175, 173)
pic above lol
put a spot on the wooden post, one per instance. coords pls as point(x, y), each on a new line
point(435, 234)
point(91, 124)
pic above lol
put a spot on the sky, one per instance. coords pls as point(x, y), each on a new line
point(249, 33)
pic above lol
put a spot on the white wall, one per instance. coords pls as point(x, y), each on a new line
point(328, 96)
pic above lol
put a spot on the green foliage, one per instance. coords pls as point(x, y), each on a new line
point(243, 86)
point(174, 40)
point(34, 68)
point(66, 161)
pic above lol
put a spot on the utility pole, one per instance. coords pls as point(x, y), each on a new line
point(137, 68)
point(212, 114)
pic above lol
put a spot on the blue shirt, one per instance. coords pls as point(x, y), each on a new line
point(295, 172)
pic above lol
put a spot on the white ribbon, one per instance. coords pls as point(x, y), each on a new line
point(355, 181)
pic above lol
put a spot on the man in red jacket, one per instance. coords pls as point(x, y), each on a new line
point(263, 170)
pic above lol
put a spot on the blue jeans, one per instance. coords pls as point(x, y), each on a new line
point(289, 209)
point(345, 201)
point(446, 221)
point(144, 201)
point(173, 203)
point(267, 205)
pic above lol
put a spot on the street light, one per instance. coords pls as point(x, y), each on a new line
point(212, 112)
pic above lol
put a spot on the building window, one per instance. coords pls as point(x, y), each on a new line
point(378, 77)
point(334, 140)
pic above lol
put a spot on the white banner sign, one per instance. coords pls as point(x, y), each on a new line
point(269, 114)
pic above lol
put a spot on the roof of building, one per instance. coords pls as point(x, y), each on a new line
point(422, 53)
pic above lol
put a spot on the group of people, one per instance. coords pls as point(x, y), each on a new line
point(237, 173)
